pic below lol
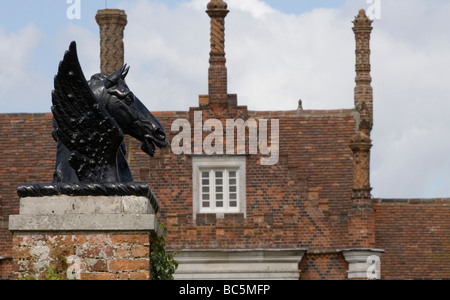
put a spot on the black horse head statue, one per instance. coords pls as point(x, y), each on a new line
point(90, 119)
point(127, 110)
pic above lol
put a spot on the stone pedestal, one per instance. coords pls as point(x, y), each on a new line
point(84, 237)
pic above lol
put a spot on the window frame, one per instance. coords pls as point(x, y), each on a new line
point(214, 164)
point(213, 191)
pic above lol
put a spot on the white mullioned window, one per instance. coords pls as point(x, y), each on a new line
point(219, 190)
point(219, 184)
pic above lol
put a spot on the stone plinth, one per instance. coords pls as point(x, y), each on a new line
point(86, 237)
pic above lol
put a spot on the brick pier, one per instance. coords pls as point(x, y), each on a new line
point(87, 238)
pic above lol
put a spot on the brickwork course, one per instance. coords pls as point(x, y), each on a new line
point(317, 197)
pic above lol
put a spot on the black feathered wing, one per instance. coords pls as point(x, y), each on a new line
point(83, 125)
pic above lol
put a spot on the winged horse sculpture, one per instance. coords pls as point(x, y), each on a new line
point(90, 119)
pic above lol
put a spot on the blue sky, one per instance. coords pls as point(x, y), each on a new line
point(278, 51)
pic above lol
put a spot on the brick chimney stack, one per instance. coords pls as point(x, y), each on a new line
point(112, 23)
point(363, 90)
point(217, 74)
point(361, 143)
point(361, 216)
point(362, 255)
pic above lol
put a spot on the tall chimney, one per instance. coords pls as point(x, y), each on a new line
point(363, 252)
point(112, 23)
point(361, 216)
point(217, 74)
point(363, 90)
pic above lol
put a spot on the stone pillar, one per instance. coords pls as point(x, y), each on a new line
point(83, 237)
point(112, 23)
point(217, 74)
point(363, 90)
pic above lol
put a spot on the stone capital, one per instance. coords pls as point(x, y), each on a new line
point(217, 5)
point(111, 16)
point(362, 22)
point(361, 142)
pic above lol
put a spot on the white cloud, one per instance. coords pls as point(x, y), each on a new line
point(274, 59)
point(20, 85)
point(258, 9)
point(24, 87)
point(282, 58)
point(411, 56)
point(88, 48)
point(167, 50)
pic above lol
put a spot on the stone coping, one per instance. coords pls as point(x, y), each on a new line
point(63, 205)
point(89, 189)
point(82, 223)
point(84, 213)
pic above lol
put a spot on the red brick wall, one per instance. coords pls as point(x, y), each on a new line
point(416, 236)
point(100, 256)
point(27, 155)
point(298, 203)
point(281, 213)
point(323, 266)
point(301, 202)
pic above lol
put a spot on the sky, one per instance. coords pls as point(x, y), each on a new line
point(278, 51)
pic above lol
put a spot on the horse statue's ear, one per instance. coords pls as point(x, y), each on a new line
point(113, 79)
point(124, 71)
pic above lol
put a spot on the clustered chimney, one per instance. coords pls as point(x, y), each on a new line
point(112, 23)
